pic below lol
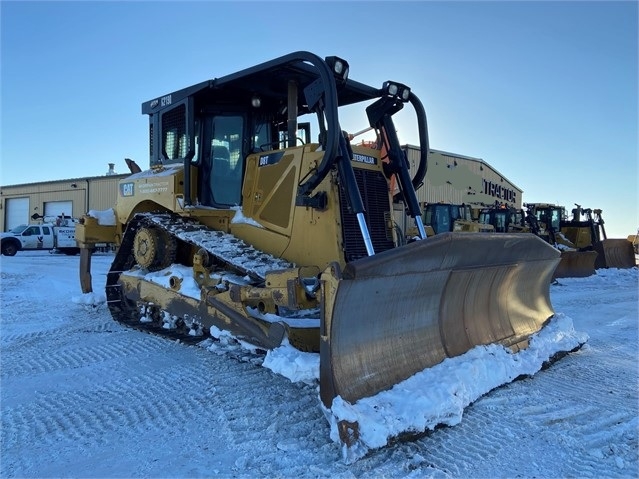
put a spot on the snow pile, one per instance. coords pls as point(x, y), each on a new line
point(438, 395)
point(293, 364)
point(89, 299)
point(104, 217)
point(223, 343)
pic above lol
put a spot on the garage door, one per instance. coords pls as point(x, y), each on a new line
point(17, 212)
point(57, 208)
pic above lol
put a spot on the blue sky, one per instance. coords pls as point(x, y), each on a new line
point(546, 92)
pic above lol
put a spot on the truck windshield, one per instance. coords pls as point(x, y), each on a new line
point(19, 229)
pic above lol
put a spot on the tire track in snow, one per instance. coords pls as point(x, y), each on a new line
point(33, 359)
point(212, 391)
point(602, 426)
point(542, 409)
point(206, 389)
point(56, 326)
point(280, 408)
point(164, 400)
point(184, 405)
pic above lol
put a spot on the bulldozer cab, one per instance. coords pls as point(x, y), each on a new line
point(499, 218)
point(550, 217)
point(504, 219)
point(212, 128)
point(441, 217)
point(444, 217)
point(545, 220)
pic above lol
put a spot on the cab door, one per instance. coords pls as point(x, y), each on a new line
point(34, 238)
point(222, 162)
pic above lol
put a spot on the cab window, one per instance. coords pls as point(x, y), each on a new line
point(222, 162)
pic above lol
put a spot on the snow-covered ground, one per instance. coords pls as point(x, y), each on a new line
point(82, 396)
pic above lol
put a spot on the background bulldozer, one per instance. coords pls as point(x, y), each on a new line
point(503, 218)
point(583, 232)
point(247, 222)
point(446, 217)
point(611, 253)
point(634, 240)
point(578, 256)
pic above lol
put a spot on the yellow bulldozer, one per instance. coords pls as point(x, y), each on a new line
point(578, 256)
point(289, 237)
point(634, 241)
point(612, 252)
point(444, 217)
point(582, 238)
point(503, 218)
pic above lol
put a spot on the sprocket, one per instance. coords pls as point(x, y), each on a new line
point(153, 248)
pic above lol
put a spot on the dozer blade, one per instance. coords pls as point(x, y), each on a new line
point(615, 253)
point(576, 264)
point(389, 316)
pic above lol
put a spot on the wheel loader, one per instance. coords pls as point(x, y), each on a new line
point(289, 235)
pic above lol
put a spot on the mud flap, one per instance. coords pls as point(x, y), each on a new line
point(389, 316)
point(615, 253)
point(576, 264)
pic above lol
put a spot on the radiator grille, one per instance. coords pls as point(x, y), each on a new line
point(374, 190)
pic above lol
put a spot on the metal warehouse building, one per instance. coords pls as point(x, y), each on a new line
point(72, 197)
point(450, 178)
point(457, 179)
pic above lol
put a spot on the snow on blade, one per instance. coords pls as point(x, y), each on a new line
point(438, 395)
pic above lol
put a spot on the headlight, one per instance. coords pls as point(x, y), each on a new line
point(339, 67)
point(396, 90)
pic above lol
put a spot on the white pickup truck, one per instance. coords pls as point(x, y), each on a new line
point(47, 236)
